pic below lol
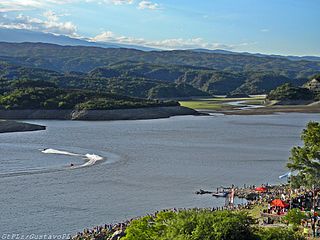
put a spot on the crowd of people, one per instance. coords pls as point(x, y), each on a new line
point(306, 200)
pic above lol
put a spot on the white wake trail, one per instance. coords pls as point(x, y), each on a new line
point(55, 151)
point(91, 159)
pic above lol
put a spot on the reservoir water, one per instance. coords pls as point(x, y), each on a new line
point(124, 169)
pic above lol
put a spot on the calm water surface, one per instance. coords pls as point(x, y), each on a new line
point(148, 165)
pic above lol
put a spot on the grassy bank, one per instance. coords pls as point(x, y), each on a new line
point(226, 105)
point(221, 103)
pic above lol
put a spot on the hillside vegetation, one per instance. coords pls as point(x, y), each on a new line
point(54, 98)
point(155, 74)
point(85, 59)
point(289, 92)
point(101, 79)
point(202, 225)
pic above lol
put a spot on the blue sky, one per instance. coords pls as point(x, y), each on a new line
point(289, 27)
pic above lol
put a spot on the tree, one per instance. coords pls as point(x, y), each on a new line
point(278, 233)
point(306, 159)
point(294, 216)
point(204, 225)
point(193, 225)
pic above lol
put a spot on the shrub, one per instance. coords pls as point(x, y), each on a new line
point(294, 216)
point(278, 233)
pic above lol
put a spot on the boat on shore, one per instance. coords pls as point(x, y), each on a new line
point(220, 194)
point(203, 192)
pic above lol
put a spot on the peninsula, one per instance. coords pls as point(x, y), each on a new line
point(13, 126)
point(49, 102)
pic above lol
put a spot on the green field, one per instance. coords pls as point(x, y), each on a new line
point(220, 103)
point(202, 105)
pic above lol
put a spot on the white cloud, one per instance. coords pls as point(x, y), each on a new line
point(148, 5)
point(114, 2)
point(173, 43)
point(20, 5)
point(51, 16)
point(121, 2)
point(265, 30)
point(49, 23)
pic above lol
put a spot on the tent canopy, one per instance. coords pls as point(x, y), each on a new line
point(261, 189)
point(279, 203)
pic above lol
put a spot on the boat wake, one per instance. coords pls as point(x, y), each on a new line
point(54, 151)
point(90, 159)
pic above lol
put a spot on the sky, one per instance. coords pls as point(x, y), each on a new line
point(286, 27)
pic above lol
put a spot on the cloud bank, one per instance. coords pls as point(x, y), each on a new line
point(173, 43)
point(49, 23)
point(148, 5)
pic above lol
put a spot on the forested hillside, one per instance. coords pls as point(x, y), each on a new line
point(155, 74)
point(85, 59)
point(55, 98)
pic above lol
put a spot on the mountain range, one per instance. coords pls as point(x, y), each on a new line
point(149, 74)
point(22, 35)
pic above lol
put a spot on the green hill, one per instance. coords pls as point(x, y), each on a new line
point(55, 98)
point(156, 74)
point(289, 92)
point(85, 59)
point(111, 80)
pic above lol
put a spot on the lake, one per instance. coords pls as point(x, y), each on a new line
point(124, 169)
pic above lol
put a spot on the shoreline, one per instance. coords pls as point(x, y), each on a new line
point(113, 231)
point(98, 115)
point(13, 126)
point(117, 231)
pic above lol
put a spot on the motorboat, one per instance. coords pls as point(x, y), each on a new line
point(220, 194)
point(203, 192)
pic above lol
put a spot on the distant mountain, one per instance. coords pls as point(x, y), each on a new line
point(84, 59)
point(221, 51)
point(21, 35)
point(123, 79)
point(307, 58)
point(142, 79)
point(293, 58)
point(154, 74)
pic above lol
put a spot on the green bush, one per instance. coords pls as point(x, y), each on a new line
point(193, 225)
point(278, 233)
point(294, 216)
point(204, 225)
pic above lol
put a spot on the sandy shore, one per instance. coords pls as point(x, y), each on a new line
point(13, 126)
